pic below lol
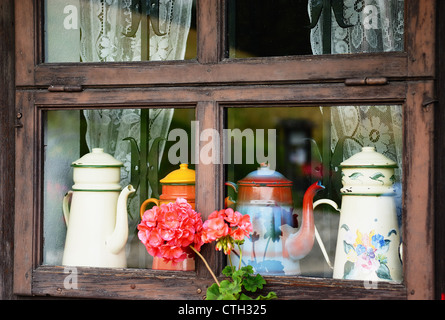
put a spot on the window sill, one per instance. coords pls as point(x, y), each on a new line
point(105, 283)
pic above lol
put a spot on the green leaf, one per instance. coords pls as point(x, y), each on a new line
point(231, 289)
point(213, 292)
point(228, 271)
point(252, 283)
point(228, 287)
point(376, 177)
point(239, 275)
point(247, 269)
point(383, 272)
point(229, 297)
point(355, 175)
point(347, 247)
point(244, 297)
point(271, 295)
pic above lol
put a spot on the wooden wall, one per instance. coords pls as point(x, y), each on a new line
point(7, 155)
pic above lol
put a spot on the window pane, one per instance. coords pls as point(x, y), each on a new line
point(119, 30)
point(260, 28)
point(274, 155)
point(71, 134)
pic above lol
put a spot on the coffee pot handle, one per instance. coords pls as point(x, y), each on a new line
point(229, 201)
point(145, 203)
point(65, 206)
point(317, 235)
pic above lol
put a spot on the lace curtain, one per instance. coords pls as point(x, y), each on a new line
point(104, 25)
point(375, 26)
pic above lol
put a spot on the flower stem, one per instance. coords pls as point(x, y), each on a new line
point(240, 256)
point(207, 265)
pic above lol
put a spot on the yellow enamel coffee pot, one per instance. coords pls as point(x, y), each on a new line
point(179, 183)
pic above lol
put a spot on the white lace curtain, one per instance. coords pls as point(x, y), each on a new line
point(104, 25)
point(376, 26)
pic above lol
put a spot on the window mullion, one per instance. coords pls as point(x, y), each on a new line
point(209, 177)
point(209, 26)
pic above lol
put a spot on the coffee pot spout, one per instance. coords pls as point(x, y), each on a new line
point(299, 244)
point(117, 240)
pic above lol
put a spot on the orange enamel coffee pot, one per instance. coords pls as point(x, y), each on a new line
point(177, 184)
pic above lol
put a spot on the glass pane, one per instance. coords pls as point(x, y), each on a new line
point(94, 185)
point(261, 28)
point(274, 155)
point(119, 30)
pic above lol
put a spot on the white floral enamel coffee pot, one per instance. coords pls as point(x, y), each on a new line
point(97, 220)
point(368, 239)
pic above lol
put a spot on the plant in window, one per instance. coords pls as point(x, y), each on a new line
point(174, 231)
point(170, 230)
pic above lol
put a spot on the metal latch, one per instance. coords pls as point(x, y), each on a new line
point(65, 88)
point(378, 81)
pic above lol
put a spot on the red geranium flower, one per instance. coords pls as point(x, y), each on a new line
point(226, 227)
point(174, 231)
point(167, 231)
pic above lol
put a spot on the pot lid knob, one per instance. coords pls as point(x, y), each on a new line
point(368, 158)
point(264, 176)
point(183, 175)
point(97, 158)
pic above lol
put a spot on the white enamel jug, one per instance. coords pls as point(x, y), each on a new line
point(97, 219)
point(368, 242)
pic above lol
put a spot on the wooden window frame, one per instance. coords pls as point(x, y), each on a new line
point(209, 84)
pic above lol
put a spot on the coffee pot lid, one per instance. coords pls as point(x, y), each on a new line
point(183, 175)
point(368, 158)
point(264, 176)
point(97, 158)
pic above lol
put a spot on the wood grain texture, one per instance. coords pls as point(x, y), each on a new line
point(418, 171)
point(146, 284)
point(7, 155)
point(209, 84)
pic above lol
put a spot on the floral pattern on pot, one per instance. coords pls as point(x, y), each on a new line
point(366, 253)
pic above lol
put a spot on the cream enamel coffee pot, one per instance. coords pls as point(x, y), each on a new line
point(368, 239)
point(97, 222)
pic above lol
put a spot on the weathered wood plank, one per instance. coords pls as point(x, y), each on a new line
point(25, 205)
point(107, 283)
point(258, 70)
point(7, 155)
point(421, 48)
point(418, 171)
point(209, 178)
point(258, 95)
point(162, 285)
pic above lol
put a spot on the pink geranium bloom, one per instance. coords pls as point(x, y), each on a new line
point(214, 229)
point(232, 217)
point(217, 228)
point(150, 217)
point(245, 224)
point(167, 231)
point(217, 214)
point(174, 254)
point(238, 234)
